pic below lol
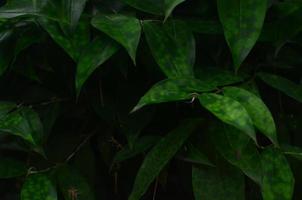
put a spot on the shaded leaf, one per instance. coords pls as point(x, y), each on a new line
point(173, 90)
point(278, 180)
point(38, 187)
point(195, 155)
point(95, 54)
point(284, 85)
point(140, 146)
point(217, 77)
point(229, 111)
point(73, 10)
point(159, 156)
point(218, 183)
point(69, 179)
point(242, 22)
point(258, 111)
point(149, 6)
point(10, 168)
point(237, 148)
point(126, 30)
point(172, 46)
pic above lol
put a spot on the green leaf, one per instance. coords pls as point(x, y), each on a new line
point(18, 8)
point(24, 123)
point(229, 111)
point(258, 111)
point(293, 151)
point(159, 157)
point(217, 77)
point(74, 44)
point(95, 54)
point(218, 183)
point(126, 30)
point(38, 187)
point(173, 90)
point(10, 168)
point(284, 85)
point(149, 6)
point(73, 10)
point(172, 46)
point(195, 155)
point(6, 107)
point(140, 146)
point(237, 148)
point(242, 22)
point(169, 6)
point(278, 180)
point(69, 179)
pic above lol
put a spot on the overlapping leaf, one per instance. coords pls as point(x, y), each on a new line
point(229, 111)
point(242, 22)
point(38, 187)
point(95, 54)
point(124, 29)
point(172, 46)
point(159, 156)
point(173, 90)
point(278, 180)
point(236, 147)
point(258, 111)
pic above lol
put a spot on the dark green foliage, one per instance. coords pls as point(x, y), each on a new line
point(150, 99)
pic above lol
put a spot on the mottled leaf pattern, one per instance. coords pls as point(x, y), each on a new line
point(258, 111)
point(218, 183)
point(124, 29)
point(229, 111)
point(172, 46)
point(237, 148)
point(70, 180)
point(173, 90)
point(278, 180)
point(95, 54)
point(242, 22)
point(38, 187)
point(10, 168)
point(24, 123)
point(159, 156)
point(284, 85)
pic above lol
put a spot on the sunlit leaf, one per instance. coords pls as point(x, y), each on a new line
point(159, 156)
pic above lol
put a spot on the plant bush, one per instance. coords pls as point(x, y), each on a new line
point(153, 99)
